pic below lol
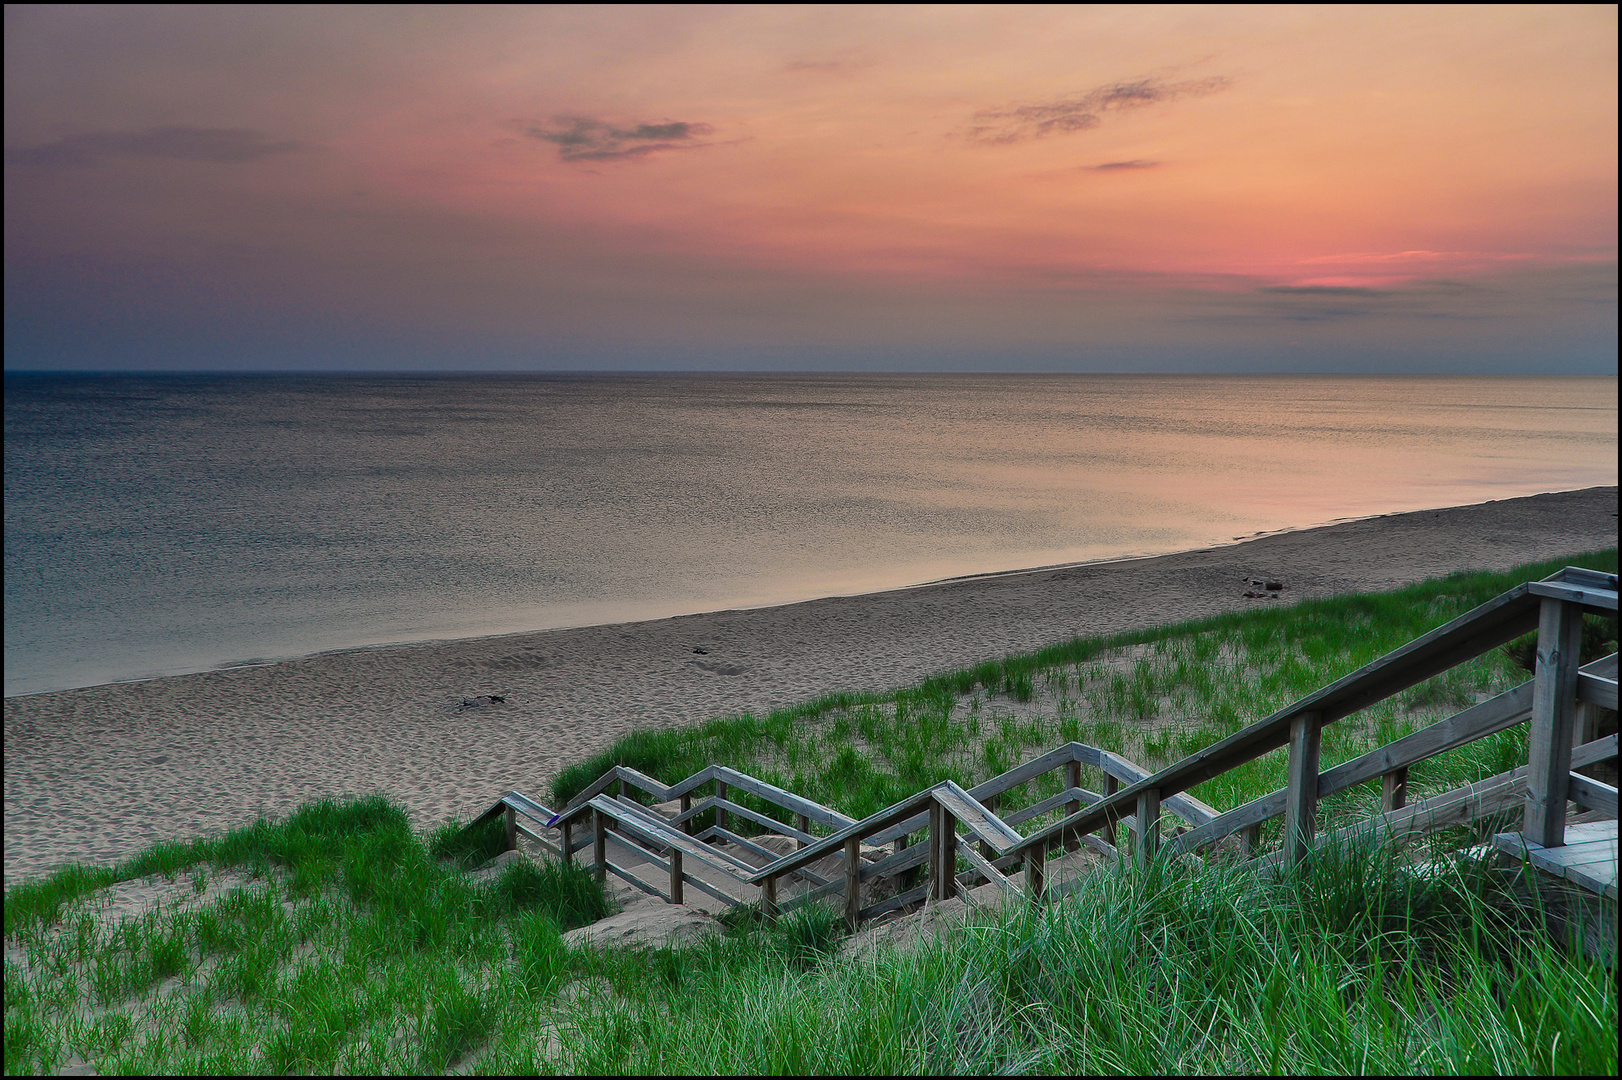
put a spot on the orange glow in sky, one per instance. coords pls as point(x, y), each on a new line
point(585, 183)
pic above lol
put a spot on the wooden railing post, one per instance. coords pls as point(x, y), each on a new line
point(986, 851)
point(675, 876)
point(599, 849)
point(1148, 825)
point(1301, 796)
point(1072, 779)
point(721, 816)
point(686, 805)
point(568, 843)
point(512, 829)
point(1249, 840)
point(943, 852)
point(1554, 699)
point(1108, 830)
point(802, 823)
point(1394, 790)
point(1036, 858)
point(768, 899)
point(853, 880)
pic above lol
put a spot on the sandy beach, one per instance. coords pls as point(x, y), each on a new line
point(99, 773)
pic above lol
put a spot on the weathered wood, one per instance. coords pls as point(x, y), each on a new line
point(1072, 781)
point(512, 829)
point(1560, 635)
point(1184, 805)
point(1493, 715)
point(729, 807)
point(568, 843)
point(1106, 829)
point(1075, 796)
point(1567, 593)
point(1592, 794)
point(946, 842)
point(768, 899)
point(895, 863)
point(675, 876)
point(721, 795)
point(786, 799)
point(682, 816)
point(1461, 805)
point(1146, 844)
point(986, 850)
point(1394, 790)
point(803, 823)
point(600, 849)
point(976, 817)
point(1036, 858)
point(1028, 771)
point(985, 869)
point(1250, 841)
point(898, 901)
point(1301, 794)
point(853, 881)
point(1588, 859)
point(1597, 690)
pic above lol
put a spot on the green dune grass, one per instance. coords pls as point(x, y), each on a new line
point(339, 940)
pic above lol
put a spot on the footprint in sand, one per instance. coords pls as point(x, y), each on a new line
point(717, 667)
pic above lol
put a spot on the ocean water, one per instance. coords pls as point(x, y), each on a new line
point(161, 524)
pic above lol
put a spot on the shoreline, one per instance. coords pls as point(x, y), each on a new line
point(987, 575)
point(97, 773)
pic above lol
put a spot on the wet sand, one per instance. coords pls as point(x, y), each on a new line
point(99, 773)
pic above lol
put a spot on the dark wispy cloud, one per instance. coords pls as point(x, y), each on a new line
point(1122, 166)
point(581, 138)
point(224, 146)
point(1067, 115)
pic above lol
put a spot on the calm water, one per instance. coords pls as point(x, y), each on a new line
point(163, 524)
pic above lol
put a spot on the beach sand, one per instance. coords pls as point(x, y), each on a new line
point(99, 773)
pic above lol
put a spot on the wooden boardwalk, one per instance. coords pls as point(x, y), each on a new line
point(1587, 858)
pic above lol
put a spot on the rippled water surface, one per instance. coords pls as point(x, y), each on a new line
point(159, 524)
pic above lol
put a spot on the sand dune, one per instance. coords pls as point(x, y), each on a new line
point(98, 773)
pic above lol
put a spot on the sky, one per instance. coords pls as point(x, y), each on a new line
point(1189, 189)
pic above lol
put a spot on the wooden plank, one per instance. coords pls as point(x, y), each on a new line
point(1079, 796)
point(768, 899)
point(1492, 795)
point(1301, 794)
point(1184, 805)
point(1021, 774)
point(786, 799)
point(1493, 715)
point(749, 845)
point(692, 783)
point(867, 828)
point(896, 902)
point(1561, 592)
point(655, 830)
point(1560, 635)
point(1394, 790)
point(749, 815)
point(1590, 793)
point(721, 796)
point(1597, 689)
point(986, 870)
point(905, 859)
point(900, 829)
point(1036, 857)
point(1072, 782)
point(1586, 578)
point(975, 817)
point(600, 848)
point(853, 881)
point(1249, 815)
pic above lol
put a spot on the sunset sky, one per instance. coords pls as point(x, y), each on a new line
point(1091, 189)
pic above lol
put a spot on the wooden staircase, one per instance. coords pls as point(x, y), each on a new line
point(946, 841)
